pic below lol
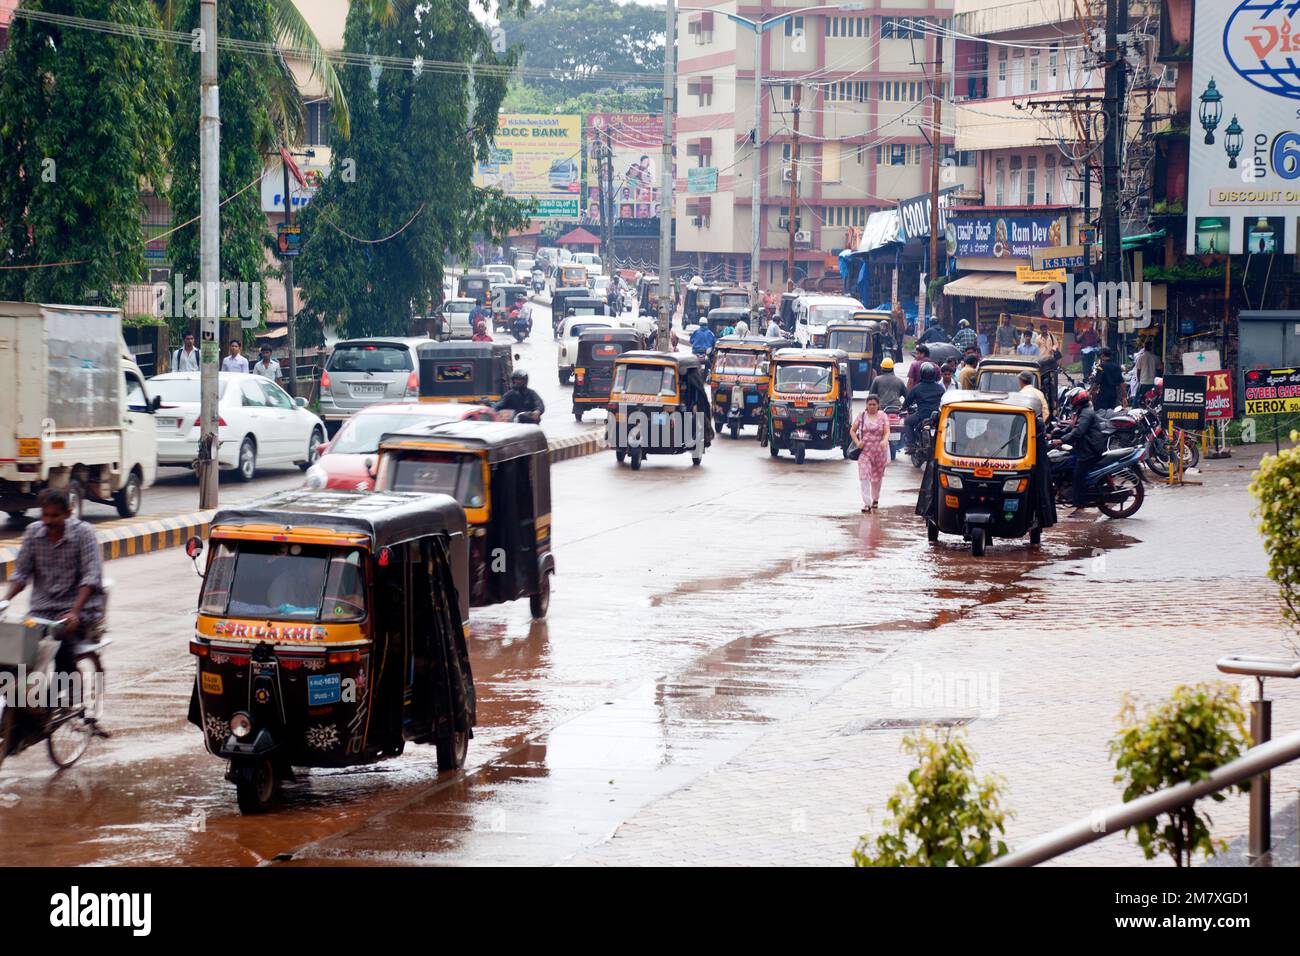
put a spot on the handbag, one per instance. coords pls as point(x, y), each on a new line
point(855, 452)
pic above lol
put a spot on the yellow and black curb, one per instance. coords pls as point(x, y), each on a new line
point(172, 532)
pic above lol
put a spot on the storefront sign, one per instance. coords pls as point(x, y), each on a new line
point(1026, 274)
point(1004, 237)
point(1183, 402)
point(637, 142)
point(1272, 391)
point(1244, 183)
point(1218, 396)
point(1058, 257)
point(914, 214)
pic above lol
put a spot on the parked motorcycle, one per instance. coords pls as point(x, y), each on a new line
point(924, 449)
point(1115, 485)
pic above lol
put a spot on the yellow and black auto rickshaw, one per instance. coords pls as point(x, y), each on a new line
point(658, 405)
point(861, 342)
point(740, 377)
point(475, 373)
point(989, 476)
point(593, 370)
point(1001, 373)
point(809, 402)
point(648, 295)
point(720, 319)
point(331, 631)
point(501, 475)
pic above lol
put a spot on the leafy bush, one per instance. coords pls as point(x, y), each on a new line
point(942, 816)
point(1276, 486)
point(1182, 739)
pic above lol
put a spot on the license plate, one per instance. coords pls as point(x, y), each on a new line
point(369, 389)
point(168, 422)
point(1011, 504)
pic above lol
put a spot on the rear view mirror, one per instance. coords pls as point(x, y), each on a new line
point(194, 547)
point(300, 402)
point(155, 403)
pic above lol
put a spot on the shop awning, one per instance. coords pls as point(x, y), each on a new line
point(994, 285)
point(1133, 242)
point(882, 228)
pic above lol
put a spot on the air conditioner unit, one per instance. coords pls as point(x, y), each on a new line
point(803, 235)
point(787, 172)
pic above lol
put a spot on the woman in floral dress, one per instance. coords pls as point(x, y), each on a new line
point(871, 434)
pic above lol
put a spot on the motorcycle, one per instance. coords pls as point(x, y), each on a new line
point(895, 415)
point(63, 710)
point(1115, 485)
point(924, 448)
point(520, 327)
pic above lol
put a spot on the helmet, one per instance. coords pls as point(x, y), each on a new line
point(1077, 397)
point(887, 365)
point(964, 324)
point(518, 377)
point(928, 372)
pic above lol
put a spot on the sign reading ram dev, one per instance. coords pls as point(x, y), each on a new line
point(637, 142)
point(1245, 152)
point(914, 214)
point(1002, 237)
point(1183, 402)
point(1272, 391)
point(537, 157)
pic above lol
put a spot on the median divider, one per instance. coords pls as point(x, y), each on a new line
point(141, 537)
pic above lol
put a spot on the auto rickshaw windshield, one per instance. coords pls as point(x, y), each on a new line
point(824, 314)
point(285, 581)
point(460, 476)
point(739, 362)
point(815, 379)
point(977, 434)
point(855, 342)
point(991, 381)
point(645, 380)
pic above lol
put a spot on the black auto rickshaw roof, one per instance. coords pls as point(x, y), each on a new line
point(1038, 363)
point(512, 287)
point(853, 325)
point(502, 441)
point(584, 300)
point(462, 349)
point(683, 362)
point(610, 335)
point(388, 517)
point(728, 311)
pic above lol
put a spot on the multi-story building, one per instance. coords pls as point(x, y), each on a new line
point(863, 75)
point(7, 8)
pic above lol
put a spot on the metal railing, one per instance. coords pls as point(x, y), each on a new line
point(1254, 766)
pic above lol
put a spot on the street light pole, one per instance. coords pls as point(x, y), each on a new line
point(756, 201)
point(209, 253)
point(666, 204)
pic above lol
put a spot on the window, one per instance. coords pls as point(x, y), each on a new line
point(371, 358)
point(460, 476)
point(1049, 178)
point(900, 28)
point(250, 396)
point(1033, 73)
point(786, 92)
point(1015, 187)
point(276, 397)
point(318, 116)
point(846, 26)
point(135, 397)
point(1018, 73)
point(1000, 199)
point(1053, 67)
point(794, 26)
point(1031, 186)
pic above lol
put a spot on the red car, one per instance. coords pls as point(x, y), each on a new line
point(342, 461)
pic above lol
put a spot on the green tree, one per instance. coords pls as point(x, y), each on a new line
point(1197, 730)
point(83, 124)
point(400, 193)
point(1276, 487)
point(942, 816)
point(578, 40)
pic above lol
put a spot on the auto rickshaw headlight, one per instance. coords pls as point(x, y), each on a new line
point(950, 481)
point(241, 725)
point(1015, 484)
point(316, 477)
point(826, 411)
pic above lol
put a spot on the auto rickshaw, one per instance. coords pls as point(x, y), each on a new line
point(475, 373)
point(648, 296)
point(501, 474)
point(719, 319)
point(809, 402)
point(331, 631)
point(585, 305)
point(1001, 373)
point(785, 312)
point(658, 405)
point(989, 476)
point(593, 371)
point(699, 302)
point(861, 340)
point(740, 377)
point(734, 298)
point(572, 276)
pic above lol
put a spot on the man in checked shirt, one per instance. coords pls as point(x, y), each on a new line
point(60, 559)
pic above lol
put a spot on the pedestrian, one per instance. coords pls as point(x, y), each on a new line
point(1088, 342)
point(267, 367)
point(1144, 366)
point(235, 361)
point(1027, 346)
point(920, 355)
point(1005, 337)
point(947, 378)
point(871, 434)
point(1109, 379)
point(969, 373)
point(1048, 346)
point(186, 358)
point(982, 341)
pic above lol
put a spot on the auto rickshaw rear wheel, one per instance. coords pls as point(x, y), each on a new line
point(540, 602)
point(931, 531)
point(798, 453)
point(773, 450)
point(452, 750)
point(636, 454)
point(735, 431)
point(977, 542)
point(256, 784)
point(577, 416)
point(619, 455)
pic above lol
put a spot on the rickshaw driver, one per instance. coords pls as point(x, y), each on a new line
point(522, 400)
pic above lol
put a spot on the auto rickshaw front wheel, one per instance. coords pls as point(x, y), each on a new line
point(735, 431)
point(452, 750)
point(256, 784)
point(619, 455)
point(931, 531)
point(773, 450)
point(540, 602)
point(635, 459)
point(977, 542)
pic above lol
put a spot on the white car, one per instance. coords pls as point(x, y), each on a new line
point(258, 423)
point(574, 326)
point(524, 270)
point(591, 261)
point(501, 272)
point(454, 319)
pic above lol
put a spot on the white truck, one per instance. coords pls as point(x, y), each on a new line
point(74, 410)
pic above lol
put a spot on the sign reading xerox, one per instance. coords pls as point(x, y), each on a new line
point(1245, 153)
point(1004, 237)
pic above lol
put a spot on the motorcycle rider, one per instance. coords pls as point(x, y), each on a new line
point(702, 341)
point(1088, 440)
point(887, 386)
point(923, 399)
point(965, 337)
point(521, 399)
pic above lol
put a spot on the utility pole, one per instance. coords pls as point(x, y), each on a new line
point(936, 118)
point(666, 203)
point(756, 173)
point(1112, 252)
point(209, 253)
point(288, 284)
point(611, 217)
point(794, 189)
